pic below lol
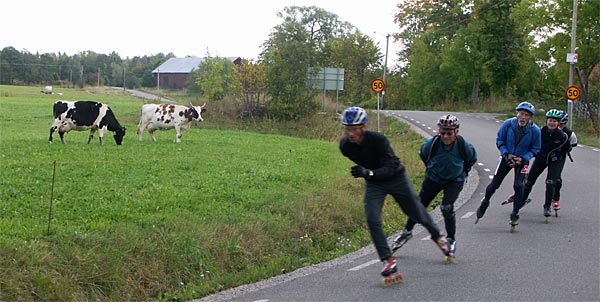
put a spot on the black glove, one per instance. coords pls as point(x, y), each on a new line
point(509, 161)
point(360, 171)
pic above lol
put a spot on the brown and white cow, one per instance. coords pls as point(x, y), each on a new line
point(84, 115)
point(168, 116)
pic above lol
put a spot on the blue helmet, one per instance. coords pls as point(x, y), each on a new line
point(526, 106)
point(564, 117)
point(354, 116)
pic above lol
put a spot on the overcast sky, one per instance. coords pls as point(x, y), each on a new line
point(224, 28)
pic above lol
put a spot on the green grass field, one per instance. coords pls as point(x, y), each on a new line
point(165, 221)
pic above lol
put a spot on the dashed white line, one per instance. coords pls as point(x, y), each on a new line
point(467, 215)
point(359, 267)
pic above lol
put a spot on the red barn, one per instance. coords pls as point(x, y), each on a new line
point(174, 72)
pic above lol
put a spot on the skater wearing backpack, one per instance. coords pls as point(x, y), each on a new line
point(573, 141)
point(552, 155)
point(448, 158)
point(384, 174)
point(518, 141)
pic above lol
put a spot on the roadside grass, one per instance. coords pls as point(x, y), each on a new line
point(150, 221)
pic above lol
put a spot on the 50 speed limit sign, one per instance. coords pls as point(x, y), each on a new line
point(573, 93)
point(377, 85)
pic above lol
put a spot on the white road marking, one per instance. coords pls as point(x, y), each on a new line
point(486, 170)
point(426, 238)
point(359, 267)
point(468, 214)
point(480, 164)
point(491, 176)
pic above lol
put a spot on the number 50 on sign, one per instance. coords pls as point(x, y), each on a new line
point(377, 85)
point(573, 93)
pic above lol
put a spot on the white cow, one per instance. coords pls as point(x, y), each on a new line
point(168, 116)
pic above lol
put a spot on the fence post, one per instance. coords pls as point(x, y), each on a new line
point(51, 195)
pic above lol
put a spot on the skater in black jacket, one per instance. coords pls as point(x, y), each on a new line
point(384, 174)
point(555, 146)
point(573, 142)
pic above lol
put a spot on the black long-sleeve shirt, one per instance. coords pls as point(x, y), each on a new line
point(375, 154)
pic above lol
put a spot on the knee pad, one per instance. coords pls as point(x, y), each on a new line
point(447, 210)
point(550, 182)
point(558, 181)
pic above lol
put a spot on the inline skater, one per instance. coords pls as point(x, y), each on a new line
point(573, 141)
point(448, 158)
point(518, 141)
point(555, 146)
point(384, 174)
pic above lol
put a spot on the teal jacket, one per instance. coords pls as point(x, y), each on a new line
point(447, 165)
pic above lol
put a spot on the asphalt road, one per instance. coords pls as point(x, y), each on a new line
point(558, 261)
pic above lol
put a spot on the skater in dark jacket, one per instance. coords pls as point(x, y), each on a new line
point(518, 141)
point(555, 146)
point(573, 142)
point(448, 158)
point(384, 174)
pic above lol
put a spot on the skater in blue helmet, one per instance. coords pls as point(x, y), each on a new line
point(448, 158)
point(573, 142)
point(518, 141)
point(384, 174)
point(552, 155)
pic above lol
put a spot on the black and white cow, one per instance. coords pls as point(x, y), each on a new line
point(168, 116)
point(84, 115)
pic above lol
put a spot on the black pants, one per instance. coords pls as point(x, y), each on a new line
point(518, 183)
point(553, 176)
point(429, 190)
point(558, 184)
point(402, 190)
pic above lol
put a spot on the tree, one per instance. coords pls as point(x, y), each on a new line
point(358, 55)
point(297, 44)
point(216, 78)
point(253, 83)
point(500, 41)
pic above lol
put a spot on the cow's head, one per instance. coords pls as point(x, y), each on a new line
point(119, 134)
point(195, 113)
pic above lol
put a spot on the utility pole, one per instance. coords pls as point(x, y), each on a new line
point(572, 64)
point(387, 43)
point(158, 82)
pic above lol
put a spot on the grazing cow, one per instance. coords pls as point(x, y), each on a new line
point(167, 116)
point(83, 115)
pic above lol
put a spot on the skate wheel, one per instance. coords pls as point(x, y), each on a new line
point(450, 260)
point(547, 220)
point(513, 228)
point(392, 279)
point(555, 213)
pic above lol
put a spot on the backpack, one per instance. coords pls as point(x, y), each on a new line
point(461, 149)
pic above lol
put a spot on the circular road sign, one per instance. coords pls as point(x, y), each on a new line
point(377, 85)
point(573, 93)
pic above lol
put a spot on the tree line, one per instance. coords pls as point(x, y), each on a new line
point(464, 51)
point(82, 69)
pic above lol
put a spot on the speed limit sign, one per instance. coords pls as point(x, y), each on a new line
point(573, 93)
point(377, 85)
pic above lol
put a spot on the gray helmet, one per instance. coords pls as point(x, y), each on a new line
point(448, 121)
